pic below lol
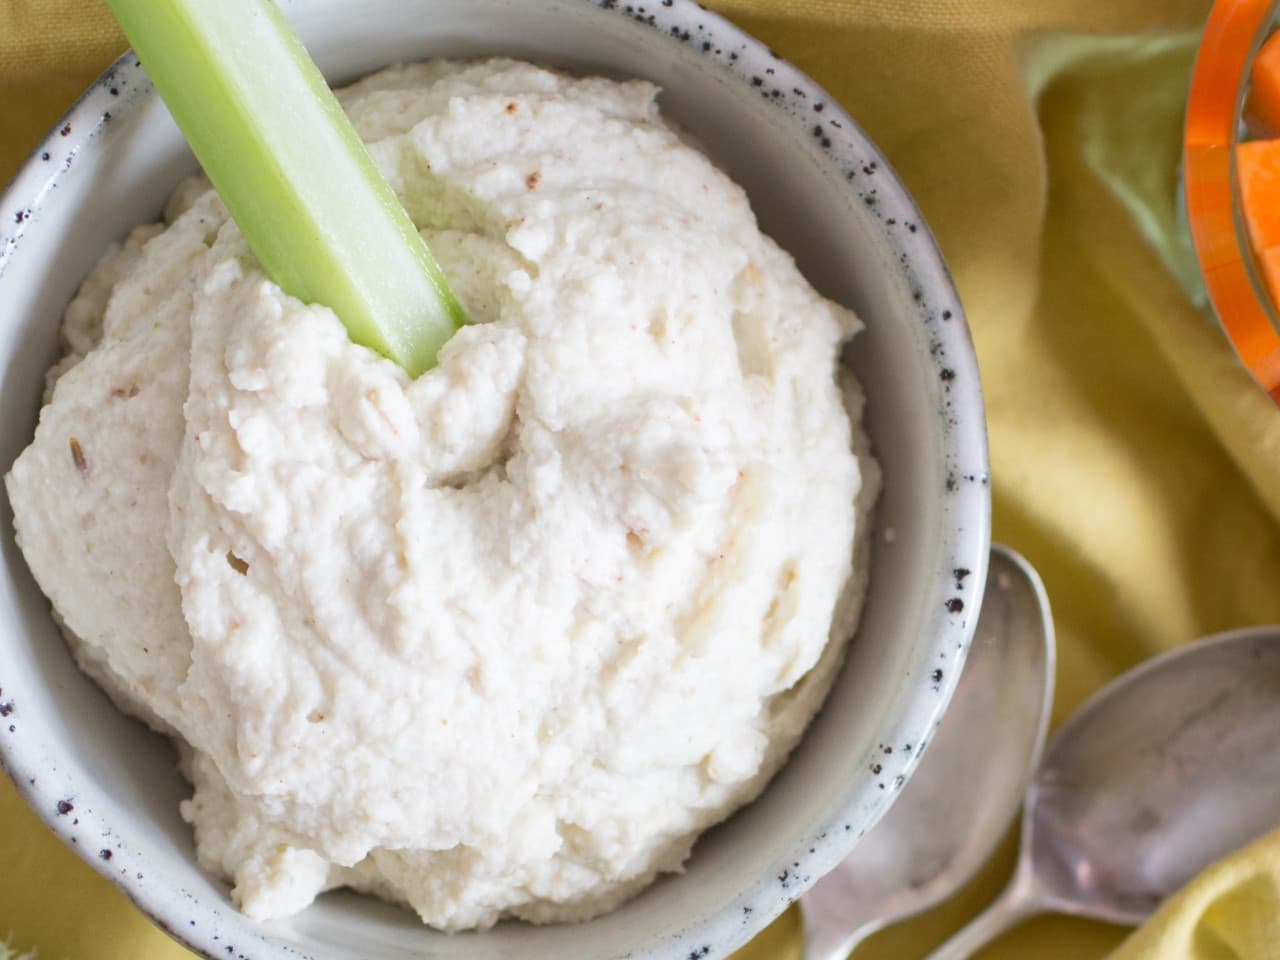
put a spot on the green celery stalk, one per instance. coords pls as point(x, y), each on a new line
point(292, 171)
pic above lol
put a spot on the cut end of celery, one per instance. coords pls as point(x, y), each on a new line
point(423, 336)
point(292, 171)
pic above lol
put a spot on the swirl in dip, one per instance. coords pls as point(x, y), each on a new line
point(503, 640)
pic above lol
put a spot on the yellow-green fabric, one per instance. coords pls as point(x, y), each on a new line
point(1133, 460)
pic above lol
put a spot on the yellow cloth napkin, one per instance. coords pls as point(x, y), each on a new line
point(1134, 462)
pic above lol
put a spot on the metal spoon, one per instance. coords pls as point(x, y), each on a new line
point(960, 801)
point(1169, 768)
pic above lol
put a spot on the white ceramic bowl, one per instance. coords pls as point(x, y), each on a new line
point(109, 788)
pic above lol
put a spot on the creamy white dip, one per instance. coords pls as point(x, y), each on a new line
point(503, 640)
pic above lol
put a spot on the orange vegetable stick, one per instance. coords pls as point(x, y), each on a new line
point(1269, 260)
point(1258, 170)
point(1264, 79)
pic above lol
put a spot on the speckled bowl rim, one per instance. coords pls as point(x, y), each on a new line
point(844, 144)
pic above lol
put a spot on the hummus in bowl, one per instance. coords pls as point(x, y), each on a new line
point(500, 641)
point(568, 528)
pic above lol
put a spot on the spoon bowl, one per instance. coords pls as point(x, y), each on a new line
point(968, 787)
point(1165, 771)
point(1170, 767)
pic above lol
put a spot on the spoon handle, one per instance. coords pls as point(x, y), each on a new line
point(1016, 903)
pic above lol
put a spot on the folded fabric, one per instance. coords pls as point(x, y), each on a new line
point(1134, 461)
point(1230, 912)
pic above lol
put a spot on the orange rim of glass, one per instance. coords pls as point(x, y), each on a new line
point(1214, 107)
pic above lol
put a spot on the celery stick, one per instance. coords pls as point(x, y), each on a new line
point(292, 171)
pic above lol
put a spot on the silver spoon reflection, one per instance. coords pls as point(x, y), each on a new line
point(1167, 769)
point(960, 801)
